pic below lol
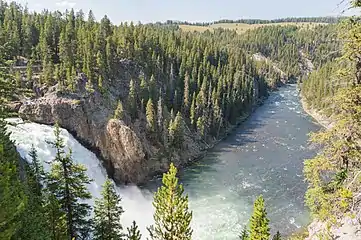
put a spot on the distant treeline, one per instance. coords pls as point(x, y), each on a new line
point(257, 21)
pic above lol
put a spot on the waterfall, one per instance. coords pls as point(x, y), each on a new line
point(264, 156)
point(136, 203)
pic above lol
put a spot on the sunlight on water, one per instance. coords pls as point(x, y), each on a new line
point(264, 156)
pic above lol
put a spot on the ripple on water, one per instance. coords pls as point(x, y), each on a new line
point(222, 191)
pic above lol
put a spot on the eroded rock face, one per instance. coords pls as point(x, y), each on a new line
point(124, 145)
point(129, 152)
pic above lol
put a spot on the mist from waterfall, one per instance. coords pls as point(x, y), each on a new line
point(264, 155)
point(136, 203)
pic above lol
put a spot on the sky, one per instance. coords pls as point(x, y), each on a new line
point(193, 10)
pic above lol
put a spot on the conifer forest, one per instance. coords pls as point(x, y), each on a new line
point(152, 99)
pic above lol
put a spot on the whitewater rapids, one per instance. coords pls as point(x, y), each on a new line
point(136, 203)
point(264, 155)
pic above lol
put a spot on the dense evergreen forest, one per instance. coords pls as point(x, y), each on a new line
point(285, 45)
point(260, 21)
point(334, 90)
point(200, 81)
point(188, 78)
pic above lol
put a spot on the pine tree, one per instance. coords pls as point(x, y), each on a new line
point(101, 64)
point(201, 128)
point(144, 91)
point(259, 229)
point(119, 112)
point(160, 115)
point(193, 115)
point(7, 84)
point(55, 216)
point(132, 99)
point(34, 225)
point(150, 113)
point(176, 131)
point(29, 70)
point(133, 232)
point(186, 101)
point(352, 43)
point(172, 216)
point(277, 236)
point(12, 197)
point(36, 172)
point(152, 88)
point(68, 182)
point(18, 79)
point(244, 235)
point(107, 213)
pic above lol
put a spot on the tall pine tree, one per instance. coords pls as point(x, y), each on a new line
point(133, 232)
point(68, 184)
point(259, 229)
point(172, 216)
point(107, 213)
point(12, 197)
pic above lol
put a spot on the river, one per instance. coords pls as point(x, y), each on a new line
point(263, 156)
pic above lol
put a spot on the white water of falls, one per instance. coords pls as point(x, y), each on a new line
point(263, 156)
point(136, 203)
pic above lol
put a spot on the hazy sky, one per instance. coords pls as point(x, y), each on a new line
point(193, 10)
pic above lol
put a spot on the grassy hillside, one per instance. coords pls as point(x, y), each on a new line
point(242, 27)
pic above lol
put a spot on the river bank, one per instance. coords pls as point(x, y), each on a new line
point(229, 130)
point(346, 228)
point(320, 118)
point(263, 155)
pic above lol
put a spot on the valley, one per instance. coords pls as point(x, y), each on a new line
point(178, 130)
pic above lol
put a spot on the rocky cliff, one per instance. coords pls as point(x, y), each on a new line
point(129, 155)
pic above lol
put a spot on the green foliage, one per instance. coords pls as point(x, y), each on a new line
point(176, 131)
point(300, 234)
point(34, 225)
point(29, 71)
point(350, 33)
point(119, 112)
point(12, 197)
point(321, 86)
point(150, 113)
point(68, 184)
point(259, 229)
point(339, 159)
point(333, 175)
point(173, 65)
point(133, 232)
point(107, 213)
point(172, 216)
point(244, 234)
point(277, 236)
point(132, 99)
point(7, 83)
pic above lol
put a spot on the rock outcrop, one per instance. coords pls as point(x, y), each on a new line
point(347, 228)
point(128, 153)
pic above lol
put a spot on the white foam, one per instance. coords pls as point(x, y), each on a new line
point(135, 202)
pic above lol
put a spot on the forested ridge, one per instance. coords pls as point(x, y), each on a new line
point(192, 76)
point(188, 80)
point(259, 21)
point(198, 81)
